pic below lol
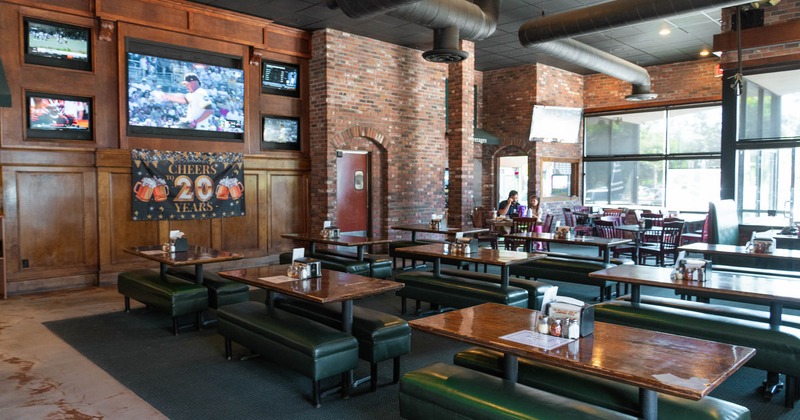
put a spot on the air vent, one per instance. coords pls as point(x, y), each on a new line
point(641, 97)
point(446, 55)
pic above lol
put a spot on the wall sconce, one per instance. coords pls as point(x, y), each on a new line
point(255, 57)
point(106, 32)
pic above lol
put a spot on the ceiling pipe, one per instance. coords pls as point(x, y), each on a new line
point(603, 62)
point(610, 15)
point(547, 35)
point(451, 20)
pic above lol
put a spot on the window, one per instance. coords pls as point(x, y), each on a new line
point(767, 147)
point(558, 178)
point(669, 157)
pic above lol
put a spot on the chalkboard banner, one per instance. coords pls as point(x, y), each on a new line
point(186, 185)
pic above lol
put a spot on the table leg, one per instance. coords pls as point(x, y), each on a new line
point(775, 311)
point(648, 404)
point(360, 253)
point(163, 268)
point(510, 367)
point(505, 273)
point(607, 255)
point(198, 273)
point(413, 236)
point(636, 294)
point(313, 247)
point(270, 300)
point(437, 267)
point(347, 316)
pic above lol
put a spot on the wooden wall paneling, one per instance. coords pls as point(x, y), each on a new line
point(187, 18)
point(124, 231)
point(288, 41)
point(57, 222)
point(287, 207)
point(242, 234)
point(197, 232)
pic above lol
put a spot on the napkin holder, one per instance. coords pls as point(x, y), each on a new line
point(314, 266)
point(562, 232)
point(566, 307)
point(330, 232)
point(694, 269)
point(181, 245)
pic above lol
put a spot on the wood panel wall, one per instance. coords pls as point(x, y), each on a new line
point(67, 203)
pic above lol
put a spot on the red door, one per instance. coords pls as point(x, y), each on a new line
point(352, 192)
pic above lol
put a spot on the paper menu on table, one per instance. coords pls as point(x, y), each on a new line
point(277, 279)
point(542, 341)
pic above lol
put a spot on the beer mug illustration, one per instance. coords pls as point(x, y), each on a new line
point(144, 189)
point(236, 190)
point(222, 192)
point(161, 191)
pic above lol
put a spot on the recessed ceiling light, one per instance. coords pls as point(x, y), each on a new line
point(665, 31)
point(704, 53)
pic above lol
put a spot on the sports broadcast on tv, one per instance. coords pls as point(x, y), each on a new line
point(170, 93)
point(60, 42)
point(57, 114)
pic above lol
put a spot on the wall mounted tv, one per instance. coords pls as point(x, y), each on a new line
point(556, 123)
point(51, 116)
point(57, 44)
point(282, 133)
point(279, 78)
point(181, 93)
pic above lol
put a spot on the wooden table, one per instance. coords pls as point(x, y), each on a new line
point(655, 362)
point(503, 258)
point(359, 242)
point(740, 251)
point(332, 286)
point(196, 256)
point(604, 244)
point(765, 290)
point(426, 228)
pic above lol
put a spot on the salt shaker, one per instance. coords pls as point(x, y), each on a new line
point(573, 328)
point(541, 326)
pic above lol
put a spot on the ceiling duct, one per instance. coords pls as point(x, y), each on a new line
point(546, 34)
point(451, 20)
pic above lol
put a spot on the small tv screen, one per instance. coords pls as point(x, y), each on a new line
point(58, 116)
point(279, 78)
point(281, 133)
point(57, 44)
point(180, 93)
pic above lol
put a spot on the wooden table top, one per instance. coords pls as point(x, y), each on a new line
point(748, 287)
point(574, 239)
point(721, 249)
point(674, 365)
point(426, 228)
point(332, 286)
point(195, 255)
point(483, 256)
point(342, 240)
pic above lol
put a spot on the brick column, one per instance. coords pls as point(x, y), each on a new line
point(460, 131)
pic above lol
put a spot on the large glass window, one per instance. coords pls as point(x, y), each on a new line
point(659, 158)
point(767, 148)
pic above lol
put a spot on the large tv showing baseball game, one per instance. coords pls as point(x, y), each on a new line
point(183, 93)
point(55, 116)
point(57, 44)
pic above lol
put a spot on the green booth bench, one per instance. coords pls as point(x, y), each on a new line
point(455, 292)
point(601, 392)
point(165, 293)
point(380, 336)
point(310, 348)
point(445, 392)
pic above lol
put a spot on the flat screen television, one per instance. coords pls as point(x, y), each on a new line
point(282, 133)
point(57, 44)
point(556, 123)
point(181, 93)
point(51, 116)
point(279, 78)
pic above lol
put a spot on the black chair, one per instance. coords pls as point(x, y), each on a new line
point(669, 241)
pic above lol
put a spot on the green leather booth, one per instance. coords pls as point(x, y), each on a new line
point(456, 292)
point(536, 289)
point(221, 291)
point(333, 262)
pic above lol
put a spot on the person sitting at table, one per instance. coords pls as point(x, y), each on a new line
point(534, 207)
point(509, 206)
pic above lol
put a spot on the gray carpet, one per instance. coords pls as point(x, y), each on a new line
point(187, 377)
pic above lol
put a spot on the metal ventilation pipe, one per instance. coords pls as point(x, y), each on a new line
point(603, 62)
point(546, 34)
point(610, 15)
point(451, 20)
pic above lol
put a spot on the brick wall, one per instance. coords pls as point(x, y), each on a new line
point(390, 91)
point(785, 11)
